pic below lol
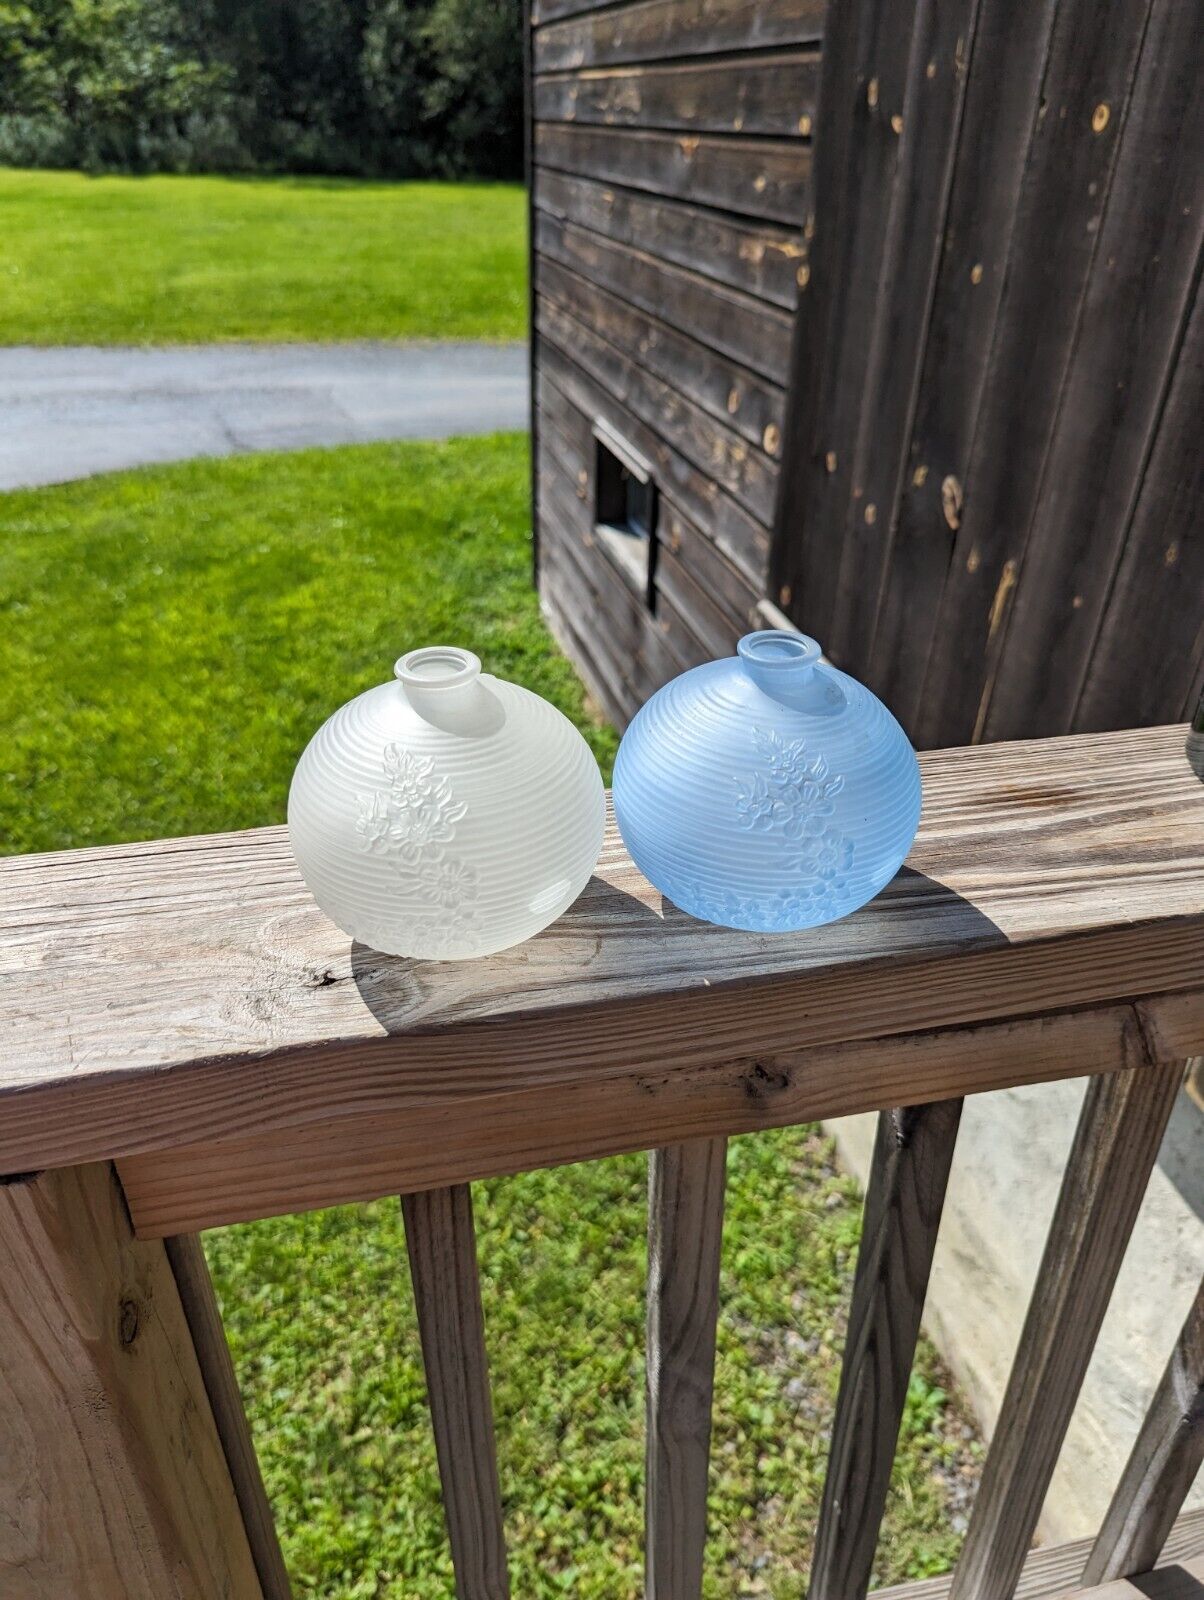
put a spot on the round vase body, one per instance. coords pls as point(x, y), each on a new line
point(767, 791)
point(447, 814)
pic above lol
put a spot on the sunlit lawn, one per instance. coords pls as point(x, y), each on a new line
point(188, 260)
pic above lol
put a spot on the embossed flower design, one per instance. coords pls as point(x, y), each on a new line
point(414, 817)
point(374, 821)
point(757, 807)
point(827, 855)
point(450, 883)
point(793, 793)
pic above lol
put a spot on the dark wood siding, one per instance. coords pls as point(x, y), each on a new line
point(671, 179)
point(990, 508)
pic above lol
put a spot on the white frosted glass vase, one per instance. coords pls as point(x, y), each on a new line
point(446, 814)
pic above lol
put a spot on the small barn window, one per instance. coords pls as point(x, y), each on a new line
point(625, 508)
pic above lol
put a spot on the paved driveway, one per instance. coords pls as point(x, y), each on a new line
point(67, 413)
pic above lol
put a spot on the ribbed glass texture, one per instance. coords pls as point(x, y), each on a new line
point(767, 791)
point(447, 814)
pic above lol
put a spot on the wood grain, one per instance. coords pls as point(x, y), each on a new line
point(1050, 1573)
point(654, 29)
point(1136, 306)
point(861, 91)
point(441, 1243)
point(759, 257)
point(1150, 648)
point(675, 1094)
point(760, 178)
point(913, 1153)
point(735, 531)
point(911, 197)
point(718, 587)
point(1115, 1146)
point(115, 1485)
point(743, 469)
point(685, 1235)
point(1068, 174)
point(1183, 1581)
point(183, 991)
point(1003, 89)
point(1166, 1457)
point(766, 94)
point(204, 1318)
point(736, 394)
point(726, 320)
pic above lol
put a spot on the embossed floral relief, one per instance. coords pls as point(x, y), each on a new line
point(792, 795)
point(409, 825)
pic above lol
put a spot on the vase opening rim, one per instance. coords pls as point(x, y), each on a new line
point(437, 666)
point(775, 650)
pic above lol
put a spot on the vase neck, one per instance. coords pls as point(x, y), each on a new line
point(783, 666)
point(443, 685)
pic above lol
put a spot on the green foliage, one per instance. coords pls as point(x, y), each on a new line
point(168, 641)
point(400, 88)
point(476, 90)
point(169, 260)
point(104, 83)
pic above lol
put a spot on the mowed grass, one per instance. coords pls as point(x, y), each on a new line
point(190, 260)
point(170, 639)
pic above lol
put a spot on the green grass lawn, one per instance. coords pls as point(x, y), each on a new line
point(186, 260)
point(170, 639)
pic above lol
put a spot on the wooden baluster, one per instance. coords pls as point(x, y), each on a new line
point(685, 1230)
point(441, 1244)
point(1164, 1462)
point(191, 1272)
point(903, 1203)
point(113, 1481)
point(1115, 1146)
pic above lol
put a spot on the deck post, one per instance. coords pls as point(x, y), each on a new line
point(113, 1480)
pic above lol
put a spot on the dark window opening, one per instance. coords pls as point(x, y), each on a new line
point(625, 509)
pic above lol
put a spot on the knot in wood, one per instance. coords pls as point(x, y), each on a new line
point(127, 1324)
point(761, 1081)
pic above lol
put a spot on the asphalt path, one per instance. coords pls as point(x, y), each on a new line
point(69, 413)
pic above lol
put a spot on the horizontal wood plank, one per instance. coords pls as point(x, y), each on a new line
point(189, 991)
point(752, 177)
point(680, 1094)
point(714, 448)
point(1182, 1581)
point(655, 29)
point(727, 321)
point(717, 584)
point(1052, 1573)
point(772, 94)
point(741, 537)
point(760, 257)
point(723, 584)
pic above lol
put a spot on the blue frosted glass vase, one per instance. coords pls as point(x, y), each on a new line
point(767, 791)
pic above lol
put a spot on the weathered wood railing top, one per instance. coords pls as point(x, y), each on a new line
point(183, 1010)
point(187, 994)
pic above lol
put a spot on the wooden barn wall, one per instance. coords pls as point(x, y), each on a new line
point(990, 508)
point(670, 172)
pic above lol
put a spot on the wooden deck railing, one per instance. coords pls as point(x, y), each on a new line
point(187, 1042)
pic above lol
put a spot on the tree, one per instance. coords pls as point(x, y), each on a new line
point(475, 93)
